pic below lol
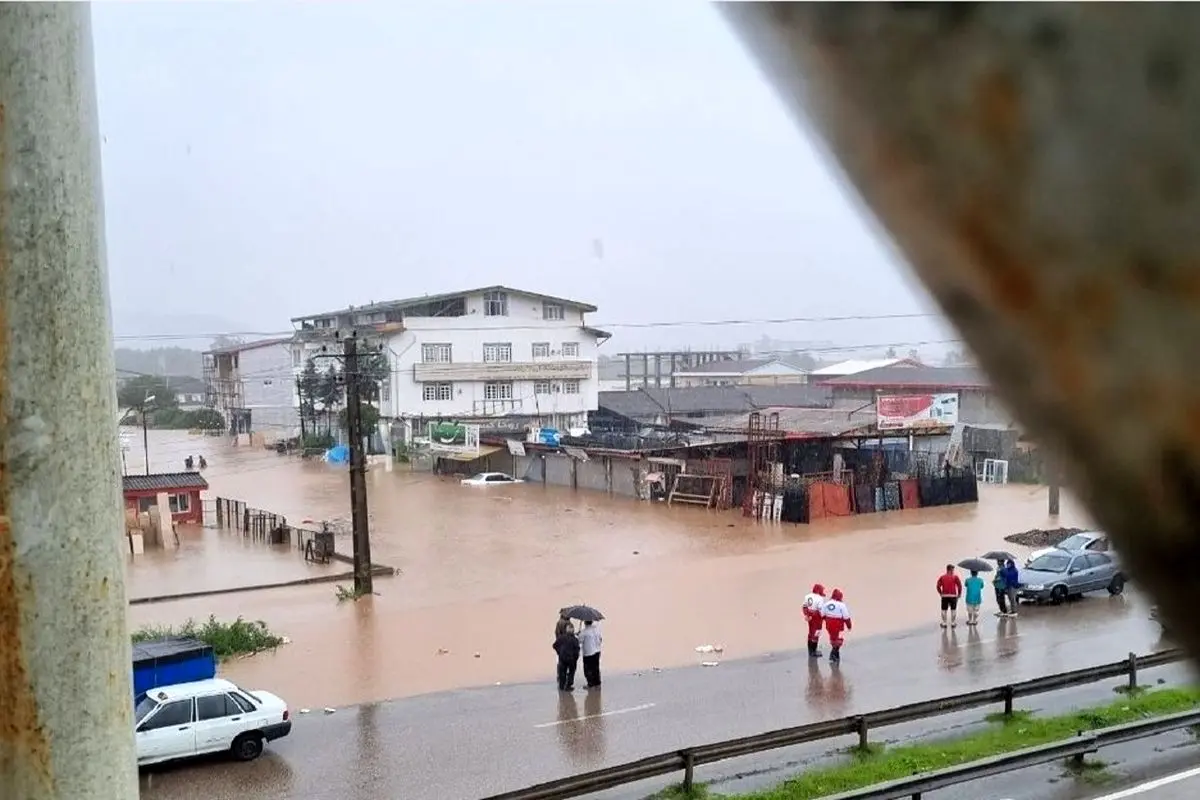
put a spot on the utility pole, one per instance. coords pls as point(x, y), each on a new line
point(65, 679)
point(145, 437)
point(363, 580)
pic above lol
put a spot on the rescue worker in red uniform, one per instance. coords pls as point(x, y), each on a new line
point(814, 601)
point(837, 622)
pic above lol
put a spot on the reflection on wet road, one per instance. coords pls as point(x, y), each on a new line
point(466, 744)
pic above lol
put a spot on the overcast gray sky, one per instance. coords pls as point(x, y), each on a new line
point(267, 160)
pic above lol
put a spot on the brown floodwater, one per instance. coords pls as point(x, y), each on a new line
point(484, 570)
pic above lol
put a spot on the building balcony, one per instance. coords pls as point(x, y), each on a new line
point(508, 371)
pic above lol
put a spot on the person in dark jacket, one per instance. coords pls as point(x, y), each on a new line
point(566, 645)
point(1012, 580)
point(563, 623)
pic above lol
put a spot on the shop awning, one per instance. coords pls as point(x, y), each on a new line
point(484, 450)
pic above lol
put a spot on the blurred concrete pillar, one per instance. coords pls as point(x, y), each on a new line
point(65, 686)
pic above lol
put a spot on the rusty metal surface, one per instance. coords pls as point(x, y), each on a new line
point(1039, 166)
point(65, 694)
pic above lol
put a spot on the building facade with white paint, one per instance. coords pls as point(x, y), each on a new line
point(253, 386)
point(505, 358)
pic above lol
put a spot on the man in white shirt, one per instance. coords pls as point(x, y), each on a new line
point(590, 640)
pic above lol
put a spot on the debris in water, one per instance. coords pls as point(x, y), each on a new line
point(1042, 537)
point(710, 663)
point(720, 648)
point(286, 640)
point(441, 651)
point(329, 710)
point(705, 648)
point(477, 655)
point(304, 711)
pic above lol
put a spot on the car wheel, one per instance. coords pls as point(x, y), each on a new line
point(247, 747)
point(1116, 585)
point(1058, 595)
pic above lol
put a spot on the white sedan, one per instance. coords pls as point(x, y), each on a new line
point(1086, 541)
point(489, 479)
point(211, 716)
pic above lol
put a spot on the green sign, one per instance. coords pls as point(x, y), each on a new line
point(448, 433)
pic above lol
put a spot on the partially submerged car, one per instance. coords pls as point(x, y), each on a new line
point(1060, 574)
point(1087, 541)
point(489, 479)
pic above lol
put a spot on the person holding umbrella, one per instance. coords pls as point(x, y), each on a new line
point(973, 587)
point(590, 640)
point(999, 583)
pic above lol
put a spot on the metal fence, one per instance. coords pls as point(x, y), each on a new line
point(688, 759)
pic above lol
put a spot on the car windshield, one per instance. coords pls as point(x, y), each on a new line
point(1076, 542)
point(144, 706)
point(478, 476)
point(1051, 562)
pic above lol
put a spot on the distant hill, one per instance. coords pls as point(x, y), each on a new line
point(160, 361)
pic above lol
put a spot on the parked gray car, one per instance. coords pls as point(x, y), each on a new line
point(1060, 574)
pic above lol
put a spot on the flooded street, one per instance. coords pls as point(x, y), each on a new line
point(484, 570)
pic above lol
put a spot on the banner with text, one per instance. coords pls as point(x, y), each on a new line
point(907, 411)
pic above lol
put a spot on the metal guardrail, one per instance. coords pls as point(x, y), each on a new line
point(1077, 748)
point(688, 759)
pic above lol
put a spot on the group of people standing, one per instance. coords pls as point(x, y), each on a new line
point(830, 613)
point(951, 589)
point(569, 646)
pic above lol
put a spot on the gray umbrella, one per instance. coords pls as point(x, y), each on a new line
point(975, 565)
point(582, 613)
point(999, 555)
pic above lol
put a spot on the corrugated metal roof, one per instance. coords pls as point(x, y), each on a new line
point(804, 421)
point(896, 377)
point(854, 366)
point(163, 482)
point(436, 298)
point(643, 403)
point(238, 348)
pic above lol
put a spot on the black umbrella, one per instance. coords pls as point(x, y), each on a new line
point(582, 613)
point(999, 555)
point(975, 565)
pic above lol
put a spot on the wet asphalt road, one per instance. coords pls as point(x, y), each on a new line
point(468, 744)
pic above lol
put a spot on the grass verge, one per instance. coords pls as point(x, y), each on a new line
point(227, 639)
point(1002, 736)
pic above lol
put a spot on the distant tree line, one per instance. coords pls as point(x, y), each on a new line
point(152, 396)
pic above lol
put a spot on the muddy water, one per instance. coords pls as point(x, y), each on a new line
point(485, 569)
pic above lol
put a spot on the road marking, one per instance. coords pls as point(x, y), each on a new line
point(1150, 786)
point(612, 713)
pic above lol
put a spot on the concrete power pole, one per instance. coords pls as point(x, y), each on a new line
point(363, 580)
point(66, 695)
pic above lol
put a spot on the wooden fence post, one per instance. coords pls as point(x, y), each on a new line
point(689, 771)
point(1133, 670)
point(862, 733)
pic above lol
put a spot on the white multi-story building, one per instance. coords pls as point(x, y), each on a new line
point(252, 384)
point(503, 357)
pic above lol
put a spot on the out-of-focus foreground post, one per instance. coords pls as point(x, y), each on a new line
point(65, 685)
point(1038, 163)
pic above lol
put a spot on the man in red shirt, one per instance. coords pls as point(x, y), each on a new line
point(949, 589)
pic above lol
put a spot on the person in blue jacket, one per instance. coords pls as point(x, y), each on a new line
point(1012, 579)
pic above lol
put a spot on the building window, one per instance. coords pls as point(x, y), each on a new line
point(179, 503)
point(385, 392)
point(435, 353)
point(146, 503)
point(326, 322)
point(297, 357)
point(541, 387)
point(541, 349)
point(552, 311)
point(570, 387)
point(438, 391)
point(498, 390)
point(570, 349)
point(495, 304)
point(497, 353)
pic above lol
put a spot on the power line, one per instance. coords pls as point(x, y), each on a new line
point(703, 323)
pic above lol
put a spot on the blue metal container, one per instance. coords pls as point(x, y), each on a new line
point(163, 662)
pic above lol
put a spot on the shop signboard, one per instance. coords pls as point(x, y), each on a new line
point(916, 411)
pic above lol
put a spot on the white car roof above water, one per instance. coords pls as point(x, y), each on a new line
point(182, 691)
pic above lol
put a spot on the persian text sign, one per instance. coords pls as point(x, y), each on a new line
point(906, 411)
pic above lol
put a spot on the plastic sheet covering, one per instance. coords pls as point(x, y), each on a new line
point(891, 496)
point(864, 499)
point(910, 493)
point(795, 505)
point(935, 492)
point(828, 500)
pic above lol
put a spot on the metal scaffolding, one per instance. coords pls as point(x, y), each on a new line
point(762, 451)
point(66, 695)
